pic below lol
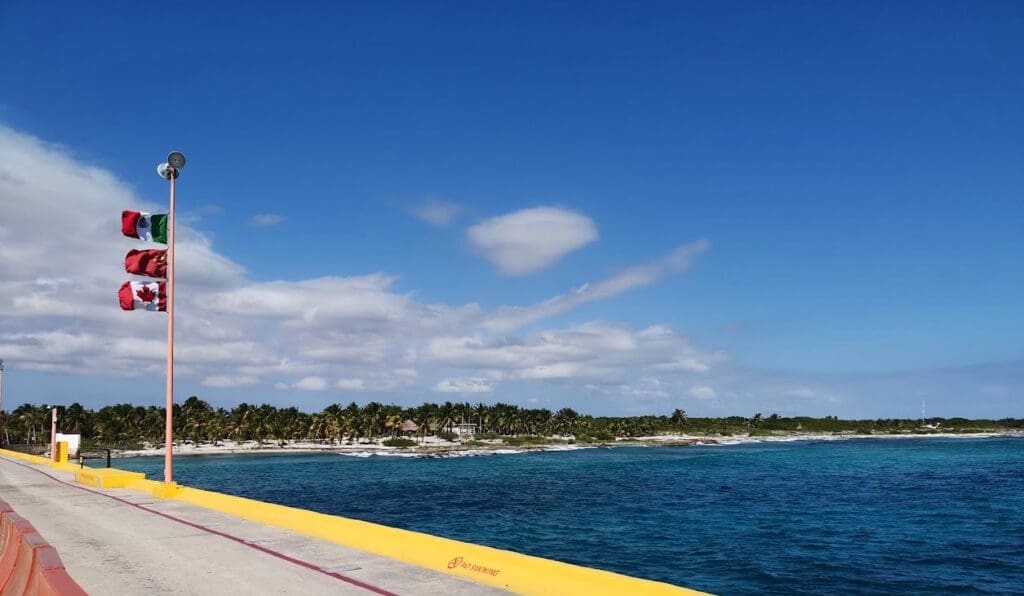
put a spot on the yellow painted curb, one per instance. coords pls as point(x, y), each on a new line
point(35, 459)
point(524, 574)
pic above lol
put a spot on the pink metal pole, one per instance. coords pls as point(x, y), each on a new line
point(53, 434)
point(169, 428)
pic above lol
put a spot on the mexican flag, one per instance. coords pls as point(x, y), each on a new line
point(143, 295)
point(151, 263)
point(144, 226)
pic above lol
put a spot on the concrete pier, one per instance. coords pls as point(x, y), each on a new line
point(117, 541)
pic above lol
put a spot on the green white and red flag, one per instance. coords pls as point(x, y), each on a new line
point(144, 226)
point(151, 262)
point(143, 295)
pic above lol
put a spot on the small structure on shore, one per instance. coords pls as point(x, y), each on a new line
point(464, 429)
point(409, 427)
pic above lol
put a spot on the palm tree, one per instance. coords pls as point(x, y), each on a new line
point(393, 418)
point(29, 418)
point(76, 419)
point(196, 416)
point(355, 422)
point(153, 425)
point(259, 423)
point(445, 417)
point(5, 427)
point(333, 423)
point(239, 422)
point(565, 420)
point(481, 417)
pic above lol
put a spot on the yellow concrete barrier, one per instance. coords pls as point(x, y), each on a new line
point(107, 477)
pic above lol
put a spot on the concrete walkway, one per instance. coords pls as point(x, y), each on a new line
point(129, 544)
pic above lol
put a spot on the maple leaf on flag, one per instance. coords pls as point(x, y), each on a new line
point(146, 294)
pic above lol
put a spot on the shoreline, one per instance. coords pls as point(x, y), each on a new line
point(437, 448)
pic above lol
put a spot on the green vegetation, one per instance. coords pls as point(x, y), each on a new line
point(529, 440)
point(126, 426)
point(398, 442)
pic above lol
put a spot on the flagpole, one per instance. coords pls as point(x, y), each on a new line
point(169, 171)
point(53, 434)
point(169, 428)
point(3, 420)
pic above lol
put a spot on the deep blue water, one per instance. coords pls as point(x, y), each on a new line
point(864, 516)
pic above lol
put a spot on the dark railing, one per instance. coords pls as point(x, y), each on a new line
point(84, 456)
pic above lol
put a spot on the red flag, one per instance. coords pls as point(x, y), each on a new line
point(151, 263)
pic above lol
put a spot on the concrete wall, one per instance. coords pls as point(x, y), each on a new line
point(73, 441)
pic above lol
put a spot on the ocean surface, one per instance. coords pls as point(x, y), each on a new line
point(922, 516)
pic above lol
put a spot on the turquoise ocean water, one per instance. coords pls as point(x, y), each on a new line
point(924, 516)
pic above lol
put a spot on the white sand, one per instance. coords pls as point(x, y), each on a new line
point(436, 447)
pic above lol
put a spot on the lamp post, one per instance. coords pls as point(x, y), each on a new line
point(2, 394)
point(53, 434)
point(170, 171)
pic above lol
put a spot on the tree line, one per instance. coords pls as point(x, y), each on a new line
point(130, 426)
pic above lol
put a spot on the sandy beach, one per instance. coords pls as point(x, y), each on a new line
point(435, 447)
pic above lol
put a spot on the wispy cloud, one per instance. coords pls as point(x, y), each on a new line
point(529, 240)
point(437, 212)
point(703, 392)
point(470, 385)
point(266, 219)
point(311, 383)
point(228, 381)
point(596, 352)
point(509, 318)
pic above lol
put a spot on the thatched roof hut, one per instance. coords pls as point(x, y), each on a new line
point(409, 426)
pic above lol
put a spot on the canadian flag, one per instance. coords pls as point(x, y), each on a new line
point(143, 295)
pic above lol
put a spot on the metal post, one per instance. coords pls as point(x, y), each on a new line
point(2, 441)
point(169, 428)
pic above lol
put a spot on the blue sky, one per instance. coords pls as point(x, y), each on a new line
point(855, 170)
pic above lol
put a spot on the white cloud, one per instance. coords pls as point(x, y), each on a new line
point(310, 384)
point(266, 219)
point(703, 392)
point(382, 381)
point(357, 333)
point(229, 381)
point(351, 384)
point(467, 385)
point(594, 352)
point(529, 240)
point(642, 389)
point(437, 212)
